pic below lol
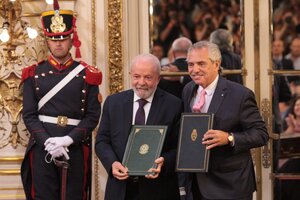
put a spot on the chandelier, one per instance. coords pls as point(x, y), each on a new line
point(11, 13)
point(14, 31)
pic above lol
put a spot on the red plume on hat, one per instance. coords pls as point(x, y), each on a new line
point(55, 5)
point(60, 24)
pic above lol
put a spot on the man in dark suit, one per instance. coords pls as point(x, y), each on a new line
point(119, 113)
point(237, 128)
point(230, 60)
point(175, 84)
point(280, 61)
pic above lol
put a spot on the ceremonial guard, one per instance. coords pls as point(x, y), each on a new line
point(60, 111)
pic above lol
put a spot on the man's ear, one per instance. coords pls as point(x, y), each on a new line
point(218, 63)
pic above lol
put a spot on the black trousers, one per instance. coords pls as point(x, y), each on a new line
point(197, 195)
point(47, 176)
point(245, 198)
point(132, 189)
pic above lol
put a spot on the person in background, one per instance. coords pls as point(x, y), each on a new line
point(237, 128)
point(230, 60)
point(119, 114)
point(57, 162)
point(158, 51)
point(282, 62)
point(281, 96)
point(293, 118)
point(294, 94)
point(289, 189)
point(172, 28)
point(174, 85)
point(294, 54)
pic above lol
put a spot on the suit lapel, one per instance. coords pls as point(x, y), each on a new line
point(190, 95)
point(218, 96)
point(128, 108)
point(155, 107)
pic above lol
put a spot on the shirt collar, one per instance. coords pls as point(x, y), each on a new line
point(210, 88)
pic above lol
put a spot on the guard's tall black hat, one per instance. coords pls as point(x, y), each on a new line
point(60, 24)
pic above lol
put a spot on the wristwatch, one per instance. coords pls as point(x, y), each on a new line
point(230, 139)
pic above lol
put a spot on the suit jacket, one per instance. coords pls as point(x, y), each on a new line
point(112, 137)
point(230, 61)
point(176, 87)
point(231, 172)
point(287, 64)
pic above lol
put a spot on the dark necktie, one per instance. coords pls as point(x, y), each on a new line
point(140, 113)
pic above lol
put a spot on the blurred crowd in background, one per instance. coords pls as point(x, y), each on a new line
point(194, 19)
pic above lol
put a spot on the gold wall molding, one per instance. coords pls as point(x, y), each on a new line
point(17, 159)
point(93, 19)
point(12, 197)
point(10, 172)
point(267, 117)
point(11, 188)
point(115, 48)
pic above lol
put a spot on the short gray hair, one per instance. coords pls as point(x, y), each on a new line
point(147, 57)
point(214, 53)
point(222, 38)
point(181, 44)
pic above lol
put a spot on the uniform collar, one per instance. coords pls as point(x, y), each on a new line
point(58, 65)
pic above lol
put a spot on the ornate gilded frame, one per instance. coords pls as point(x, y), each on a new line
point(115, 49)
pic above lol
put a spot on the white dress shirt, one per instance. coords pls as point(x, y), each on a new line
point(147, 106)
point(210, 89)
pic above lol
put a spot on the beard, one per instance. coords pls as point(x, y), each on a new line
point(143, 93)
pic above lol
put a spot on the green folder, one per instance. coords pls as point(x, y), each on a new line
point(143, 147)
point(192, 155)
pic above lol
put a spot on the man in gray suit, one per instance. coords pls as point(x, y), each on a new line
point(237, 128)
point(119, 113)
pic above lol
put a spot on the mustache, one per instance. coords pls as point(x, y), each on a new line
point(196, 74)
point(142, 88)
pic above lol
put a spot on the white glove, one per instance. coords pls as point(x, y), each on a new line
point(60, 151)
point(55, 142)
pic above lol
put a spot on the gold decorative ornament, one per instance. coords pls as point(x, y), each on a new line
point(115, 46)
point(10, 113)
point(62, 121)
point(194, 135)
point(144, 149)
point(266, 115)
point(57, 25)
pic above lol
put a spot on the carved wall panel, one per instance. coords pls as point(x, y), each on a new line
point(115, 40)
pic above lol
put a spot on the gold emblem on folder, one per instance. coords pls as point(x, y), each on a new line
point(144, 149)
point(57, 25)
point(194, 135)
